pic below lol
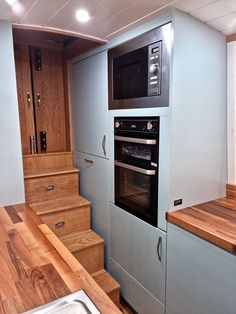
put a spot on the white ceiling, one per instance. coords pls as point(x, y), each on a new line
point(111, 17)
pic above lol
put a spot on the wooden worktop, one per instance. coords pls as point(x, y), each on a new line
point(36, 268)
point(214, 221)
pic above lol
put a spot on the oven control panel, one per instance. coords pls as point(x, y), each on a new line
point(138, 124)
point(154, 69)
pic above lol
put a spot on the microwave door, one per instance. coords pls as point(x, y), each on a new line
point(131, 74)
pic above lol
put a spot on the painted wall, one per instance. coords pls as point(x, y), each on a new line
point(11, 168)
point(231, 111)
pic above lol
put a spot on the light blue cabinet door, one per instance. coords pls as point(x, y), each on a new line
point(90, 105)
point(201, 278)
point(93, 177)
point(134, 246)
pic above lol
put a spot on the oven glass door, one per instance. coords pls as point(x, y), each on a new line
point(136, 191)
point(130, 75)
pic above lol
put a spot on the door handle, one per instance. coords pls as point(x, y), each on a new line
point(28, 100)
point(59, 224)
point(104, 145)
point(49, 187)
point(38, 100)
point(88, 162)
point(159, 248)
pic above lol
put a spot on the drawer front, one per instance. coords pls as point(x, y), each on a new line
point(68, 221)
point(51, 187)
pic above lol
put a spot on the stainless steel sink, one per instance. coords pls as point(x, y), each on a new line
point(74, 303)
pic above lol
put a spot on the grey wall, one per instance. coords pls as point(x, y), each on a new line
point(11, 168)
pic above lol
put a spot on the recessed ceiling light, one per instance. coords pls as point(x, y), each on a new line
point(11, 2)
point(82, 15)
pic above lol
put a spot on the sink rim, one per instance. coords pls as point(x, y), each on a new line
point(79, 296)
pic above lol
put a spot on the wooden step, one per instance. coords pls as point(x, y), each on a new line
point(48, 160)
point(88, 248)
point(65, 216)
point(108, 284)
point(51, 184)
point(39, 173)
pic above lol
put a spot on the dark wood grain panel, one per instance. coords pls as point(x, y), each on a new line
point(214, 221)
point(13, 214)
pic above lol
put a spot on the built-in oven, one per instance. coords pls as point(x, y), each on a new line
point(136, 166)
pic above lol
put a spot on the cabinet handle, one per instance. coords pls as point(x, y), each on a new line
point(59, 224)
point(159, 246)
point(88, 162)
point(28, 100)
point(49, 187)
point(38, 99)
point(104, 145)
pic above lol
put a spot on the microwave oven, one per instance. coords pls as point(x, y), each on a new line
point(138, 70)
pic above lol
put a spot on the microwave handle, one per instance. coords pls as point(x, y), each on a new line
point(135, 140)
point(136, 169)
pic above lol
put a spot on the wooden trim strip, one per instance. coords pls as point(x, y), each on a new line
point(231, 37)
point(58, 31)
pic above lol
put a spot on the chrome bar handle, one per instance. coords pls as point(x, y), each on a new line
point(136, 169)
point(104, 145)
point(28, 100)
point(38, 100)
point(135, 140)
point(159, 247)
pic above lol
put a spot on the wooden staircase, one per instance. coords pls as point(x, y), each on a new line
point(51, 188)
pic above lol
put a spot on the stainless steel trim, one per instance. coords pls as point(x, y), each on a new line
point(134, 168)
point(159, 244)
point(104, 144)
point(135, 140)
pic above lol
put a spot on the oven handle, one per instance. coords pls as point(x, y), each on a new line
point(137, 169)
point(135, 140)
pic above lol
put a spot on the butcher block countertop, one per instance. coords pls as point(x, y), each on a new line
point(36, 268)
point(214, 221)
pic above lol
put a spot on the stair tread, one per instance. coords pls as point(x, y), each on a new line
point(105, 281)
point(82, 240)
point(29, 174)
point(60, 204)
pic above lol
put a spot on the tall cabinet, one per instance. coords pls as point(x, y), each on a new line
point(41, 97)
point(90, 126)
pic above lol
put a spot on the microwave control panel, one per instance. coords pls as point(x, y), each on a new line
point(154, 69)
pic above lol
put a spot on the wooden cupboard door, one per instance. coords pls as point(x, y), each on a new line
point(49, 99)
point(25, 99)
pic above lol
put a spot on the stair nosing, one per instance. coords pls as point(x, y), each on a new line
point(66, 207)
point(52, 173)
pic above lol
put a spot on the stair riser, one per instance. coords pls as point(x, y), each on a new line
point(38, 189)
point(48, 161)
point(115, 296)
point(91, 258)
point(66, 222)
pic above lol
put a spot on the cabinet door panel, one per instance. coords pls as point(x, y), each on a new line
point(134, 246)
point(25, 99)
point(94, 187)
point(90, 105)
point(49, 99)
point(137, 296)
point(201, 278)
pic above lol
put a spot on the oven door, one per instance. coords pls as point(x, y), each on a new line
point(136, 191)
point(136, 164)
